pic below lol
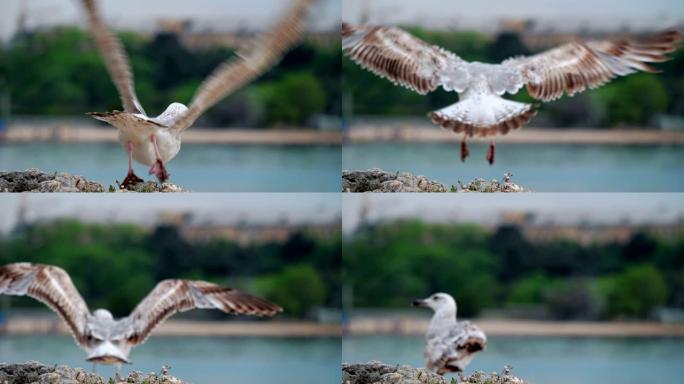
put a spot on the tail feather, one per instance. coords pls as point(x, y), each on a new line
point(483, 116)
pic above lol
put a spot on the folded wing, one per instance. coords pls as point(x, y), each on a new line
point(576, 66)
point(114, 57)
point(404, 59)
point(247, 65)
point(50, 285)
point(173, 296)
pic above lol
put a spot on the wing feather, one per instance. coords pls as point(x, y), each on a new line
point(574, 67)
point(172, 296)
point(404, 59)
point(51, 286)
point(114, 57)
point(246, 66)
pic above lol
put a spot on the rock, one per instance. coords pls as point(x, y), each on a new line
point(34, 180)
point(377, 180)
point(148, 187)
point(484, 186)
point(375, 372)
point(36, 373)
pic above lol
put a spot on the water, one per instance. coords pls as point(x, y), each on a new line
point(545, 360)
point(198, 167)
point(543, 168)
point(201, 360)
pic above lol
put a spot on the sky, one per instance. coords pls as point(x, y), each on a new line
point(144, 209)
point(486, 209)
point(486, 14)
point(144, 14)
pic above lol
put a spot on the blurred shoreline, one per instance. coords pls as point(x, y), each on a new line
point(295, 136)
point(33, 326)
point(363, 133)
point(532, 328)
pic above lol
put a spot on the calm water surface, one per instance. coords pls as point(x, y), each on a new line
point(543, 168)
point(546, 360)
point(200, 360)
point(198, 167)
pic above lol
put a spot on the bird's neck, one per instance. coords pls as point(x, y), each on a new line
point(446, 316)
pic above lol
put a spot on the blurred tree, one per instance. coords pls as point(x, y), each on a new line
point(633, 100)
point(635, 292)
point(291, 100)
point(297, 288)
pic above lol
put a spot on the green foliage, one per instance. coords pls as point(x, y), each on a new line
point(297, 288)
point(633, 100)
point(290, 100)
point(635, 291)
point(388, 264)
point(97, 255)
point(58, 71)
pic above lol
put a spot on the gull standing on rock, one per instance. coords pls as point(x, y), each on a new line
point(154, 141)
point(107, 340)
point(481, 111)
point(451, 344)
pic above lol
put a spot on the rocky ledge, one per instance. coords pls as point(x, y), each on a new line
point(377, 180)
point(375, 372)
point(34, 180)
point(36, 373)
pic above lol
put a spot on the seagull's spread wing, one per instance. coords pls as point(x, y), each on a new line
point(574, 67)
point(246, 66)
point(404, 59)
point(114, 57)
point(50, 285)
point(173, 296)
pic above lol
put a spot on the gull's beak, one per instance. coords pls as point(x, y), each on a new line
point(107, 353)
point(419, 303)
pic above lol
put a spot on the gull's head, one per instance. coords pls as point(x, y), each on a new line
point(103, 314)
point(438, 302)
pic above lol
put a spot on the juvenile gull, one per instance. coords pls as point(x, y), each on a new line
point(451, 344)
point(481, 111)
point(107, 340)
point(154, 141)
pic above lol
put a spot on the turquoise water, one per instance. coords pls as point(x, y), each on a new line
point(543, 168)
point(546, 360)
point(200, 360)
point(198, 167)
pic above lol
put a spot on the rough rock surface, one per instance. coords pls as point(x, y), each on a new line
point(375, 372)
point(36, 373)
point(34, 180)
point(485, 186)
point(377, 180)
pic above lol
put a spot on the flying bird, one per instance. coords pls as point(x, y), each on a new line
point(156, 140)
point(107, 340)
point(451, 344)
point(481, 111)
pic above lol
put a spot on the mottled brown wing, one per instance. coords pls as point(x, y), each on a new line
point(173, 296)
point(246, 66)
point(114, 57)
point(574, 67)
point(403, 59)
point(51, 286)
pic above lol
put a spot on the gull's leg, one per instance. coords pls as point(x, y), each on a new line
point(490, 153)
point(158, 168)
point(94, 367)
point(118, 374)
point(461, 377)
point(131, 177)
point(464, 149)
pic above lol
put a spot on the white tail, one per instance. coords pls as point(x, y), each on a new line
point(483, 114)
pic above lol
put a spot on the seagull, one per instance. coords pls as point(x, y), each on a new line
point(107, 340)
point(451, 344)
point(154, 141)
point(481, 111)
